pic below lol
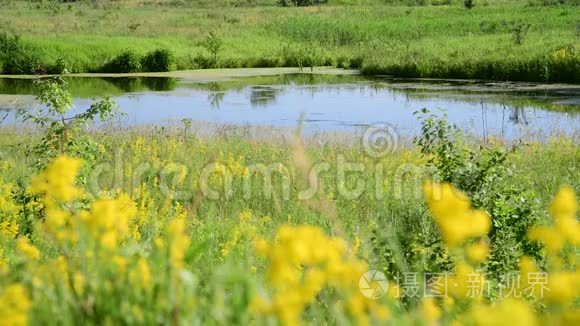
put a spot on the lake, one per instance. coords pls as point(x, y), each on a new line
point(324, 103)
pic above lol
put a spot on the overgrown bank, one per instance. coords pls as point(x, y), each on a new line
point(501, 41)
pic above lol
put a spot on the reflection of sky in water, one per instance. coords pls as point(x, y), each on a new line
point(336, 108)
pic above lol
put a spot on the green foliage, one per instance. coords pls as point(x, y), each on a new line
point(482, 173)
point(301, 3)
point(379, 37)
point(469, 4)
point(63, 133)
point(23, 62)
point(158, 61)
point(126, 62)
point(213, 44)
point(17, 59)
point(59, 68)
point(9, 43)
point(519, 32)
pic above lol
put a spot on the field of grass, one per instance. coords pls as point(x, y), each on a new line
point(170, 226)
point(501, 40)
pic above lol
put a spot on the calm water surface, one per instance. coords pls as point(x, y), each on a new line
point(326, 103)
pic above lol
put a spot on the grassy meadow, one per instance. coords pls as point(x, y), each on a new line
point(501, 40)
point(104, 224)
point(164, 225)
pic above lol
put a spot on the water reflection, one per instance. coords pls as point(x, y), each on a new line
point(518, 116)
point(327, 102)
point(93, 87)
point(263, 95)
point(4, 113)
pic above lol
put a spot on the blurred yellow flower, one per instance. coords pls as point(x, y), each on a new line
point(478, 252)
point(57, 181)
point(26, 249)
point(508, 312)
point(14, 305)
point(303, 261)
point(430, 311)
point(178, 242)
point(452, 211)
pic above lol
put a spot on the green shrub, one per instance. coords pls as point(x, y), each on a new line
point(301, 3)
point(126, 62)
point(483, 174)
point(9, 43)
point(23, 62)
point(18, 59)
point(58, 68)
point(213, 44)
point(519, 31)
point(201, 61)
point(157, 61)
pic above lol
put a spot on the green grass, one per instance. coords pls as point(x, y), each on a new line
point(407, 41)
point(216, 286)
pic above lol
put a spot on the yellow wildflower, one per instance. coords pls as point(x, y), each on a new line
point(9, 212)
point(566, 228)
point(57, 182)
point(452, 211)
point(108, 219)
point(142, 274)
point(430, 310)
point(562, 287)
point(478, 252)
point(14, 305)
point(509, 312)
point(178, 242)
point(303, 261)
point(28, 250)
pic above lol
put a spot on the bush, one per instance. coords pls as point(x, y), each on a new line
point(58, 68)
point(157, 61)
point(18, 59)
point(23, 62)
point(213, 44)
point(9, 43)
point(301, 3)
point(126, 62)
point(483, 174)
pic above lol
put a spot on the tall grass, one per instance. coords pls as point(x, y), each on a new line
point(408, 41)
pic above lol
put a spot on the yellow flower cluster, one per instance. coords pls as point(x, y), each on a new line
point(141, 274)
point(108, 220)
point(452, 211)
point(14, 305)
point(557, 289)
point(9, 211)
point(246, 229)
point(3, 262)
point(57, 182)
point(566, 229)
point(563, 286)
point(26, 249)
point(302, 262)
point(563, 55)
point(178, 242)
point(236, 166)
point(511, 312)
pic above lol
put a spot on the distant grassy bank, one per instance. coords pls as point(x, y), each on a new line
point(500, 40)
